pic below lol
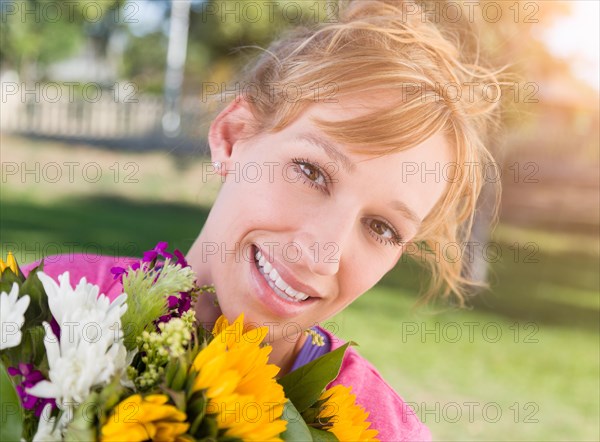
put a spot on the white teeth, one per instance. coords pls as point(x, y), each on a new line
point(266, 265)
point(275, 281)
point(280, 283)
point(290, 291)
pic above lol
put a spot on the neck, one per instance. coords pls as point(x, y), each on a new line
point(284, 356)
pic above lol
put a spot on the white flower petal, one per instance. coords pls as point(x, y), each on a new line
point(51, 343)
point(45, 431)
point(90, 350)
point(45, 389)
point(12, 317)
point(21, 305)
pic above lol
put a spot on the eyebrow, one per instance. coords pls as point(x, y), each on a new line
point(330, 148)
point(407, 212)
point(334, 152)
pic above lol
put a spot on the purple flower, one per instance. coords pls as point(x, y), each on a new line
point(30, 378)
point(163, 318)
point(159, 250)
point(173, 302)
point(184, 305)
point(177, 306)
point(180, 258)
point(118, 272)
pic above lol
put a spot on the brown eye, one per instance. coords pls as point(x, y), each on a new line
point(384, 232)
point(378, 226)
point(312, 173)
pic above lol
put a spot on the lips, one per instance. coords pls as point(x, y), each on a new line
point(280, 307)
point(287, 275)
point(276, 282)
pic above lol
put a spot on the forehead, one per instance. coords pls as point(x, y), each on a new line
point(435, 149)
point(340, 108)
point(412, 176)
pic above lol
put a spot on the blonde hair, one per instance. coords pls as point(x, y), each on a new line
point(385, 46)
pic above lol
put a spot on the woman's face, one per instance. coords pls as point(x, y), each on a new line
point(329, 222)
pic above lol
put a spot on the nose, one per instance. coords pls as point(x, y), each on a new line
point(323, 243)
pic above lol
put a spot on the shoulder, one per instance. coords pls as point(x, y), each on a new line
point(388, 412)
point(95, 268)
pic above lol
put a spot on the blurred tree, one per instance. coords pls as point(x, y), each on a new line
point(218, 28)
point(501, 34)
point(36, 33)
point(144, 61)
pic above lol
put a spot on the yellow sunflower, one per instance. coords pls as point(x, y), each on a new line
point(347, 419)
point(11, 263)
point(240, 385)
point(138, 418)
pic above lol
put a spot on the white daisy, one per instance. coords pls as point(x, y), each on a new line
point(90, 350)
point(12, 317)
point(46, 432)
point(65, 301)
point(76, 366)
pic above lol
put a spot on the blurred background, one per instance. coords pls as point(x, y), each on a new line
point(103, 121)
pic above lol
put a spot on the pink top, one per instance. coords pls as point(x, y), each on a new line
point(388, 413)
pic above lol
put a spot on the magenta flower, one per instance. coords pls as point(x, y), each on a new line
point(177, 305)
point(180, 258)
point(30, 378)
point(151, 256)
point(159, 250)
point(118, 272)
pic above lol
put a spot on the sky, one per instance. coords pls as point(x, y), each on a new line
point(577, 37)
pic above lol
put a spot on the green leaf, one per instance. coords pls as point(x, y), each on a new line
point(170, 372)
point(179, 376)
point(296, 430)
point(11, 422)
point(208, 428)
point(38, 310)
point(196, 410)
point(7, 279)
point(83, 427)
point(321, 435)
point(110, 395)
point(178, 398)
point(304, 385)
point(222, 438)
point(30, 350)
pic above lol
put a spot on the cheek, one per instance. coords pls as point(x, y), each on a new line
point(246, 197)
point(358, 278)
point(277, 197)
point(267, 204)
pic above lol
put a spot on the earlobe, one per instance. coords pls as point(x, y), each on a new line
point(228, 128)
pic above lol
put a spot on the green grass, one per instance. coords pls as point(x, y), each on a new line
point(544, 379)
point(107, 225)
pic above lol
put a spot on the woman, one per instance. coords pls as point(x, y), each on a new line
point(324, 191)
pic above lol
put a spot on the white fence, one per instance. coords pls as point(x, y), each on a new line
point(58, 113)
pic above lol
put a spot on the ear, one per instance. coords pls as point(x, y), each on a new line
point(230, 126)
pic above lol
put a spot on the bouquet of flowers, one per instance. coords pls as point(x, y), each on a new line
point(76, 366)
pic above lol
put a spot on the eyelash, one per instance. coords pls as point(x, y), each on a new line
point(397, 238)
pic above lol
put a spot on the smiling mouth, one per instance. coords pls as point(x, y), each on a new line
point(280, 287)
